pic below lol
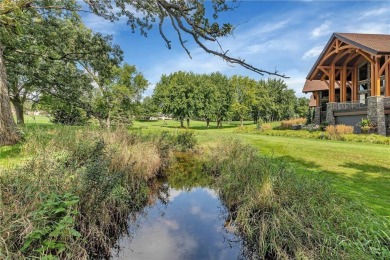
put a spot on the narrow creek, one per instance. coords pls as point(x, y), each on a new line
point(185, 220)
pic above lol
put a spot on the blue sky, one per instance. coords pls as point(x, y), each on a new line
point(283, 35)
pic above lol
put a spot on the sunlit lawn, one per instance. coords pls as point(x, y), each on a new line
point(359, 170)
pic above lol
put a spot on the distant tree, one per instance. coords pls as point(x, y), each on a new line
point(177, 95)
point(244, 96)
point(148, 108)
point(117, 95)
point(223, 97)
point(302, 107)
point(207, 99)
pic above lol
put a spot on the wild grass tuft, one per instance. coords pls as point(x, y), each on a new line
point(336, 132)
point(287, 124)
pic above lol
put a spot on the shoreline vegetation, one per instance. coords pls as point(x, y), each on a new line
point(73, 191)
point(282, 214)
point(72, 195)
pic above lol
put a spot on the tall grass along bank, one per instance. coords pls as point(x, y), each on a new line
point(284, 215)
point(71, 197)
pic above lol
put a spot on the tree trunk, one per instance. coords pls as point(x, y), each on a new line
point(181, 123)
point(219, 123)
point(242, 122)
point(207, 123)
point(188, 123)
point(8, 130)
point(18, 105)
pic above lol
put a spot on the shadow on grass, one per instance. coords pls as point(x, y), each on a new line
point(200, 127)
point(369, 184)
point(368, 168)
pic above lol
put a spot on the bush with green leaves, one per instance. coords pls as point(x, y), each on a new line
point(74, 116)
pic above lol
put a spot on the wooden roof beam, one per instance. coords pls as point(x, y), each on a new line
point(387, 62)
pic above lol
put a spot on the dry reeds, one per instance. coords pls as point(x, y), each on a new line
point(287, 124)
point(336, 132)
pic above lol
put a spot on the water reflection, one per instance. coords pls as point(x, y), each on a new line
point(190, 226)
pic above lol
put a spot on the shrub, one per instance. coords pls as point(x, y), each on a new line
point(311, 127)
point(288, 124)
point(323, 125)
point(366, 125)
point(266, 127)
point(186, 140)
point(73, 116)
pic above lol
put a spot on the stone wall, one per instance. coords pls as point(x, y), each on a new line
point(386, 105)
point(317, 115)
point(386, 102)
point(330, 108)
point(376, 113)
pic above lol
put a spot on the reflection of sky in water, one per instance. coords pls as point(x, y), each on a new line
point(189, 227)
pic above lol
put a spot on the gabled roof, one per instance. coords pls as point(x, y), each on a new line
point(371, 43)
point(376, 44)
point(315, 85)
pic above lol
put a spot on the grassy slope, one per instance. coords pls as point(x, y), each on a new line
point(359, 170)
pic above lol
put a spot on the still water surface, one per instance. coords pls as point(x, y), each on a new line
point(191, 225)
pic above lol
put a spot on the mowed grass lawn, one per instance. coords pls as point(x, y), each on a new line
point(361, 171)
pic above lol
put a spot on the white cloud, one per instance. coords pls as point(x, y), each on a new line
point(377, 11)
point(313, 52)
point(322, 30)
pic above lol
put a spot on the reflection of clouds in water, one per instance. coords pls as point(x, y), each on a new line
point(173, 225)
point(157, 242)
point(192, 227)
point(211, 192)
point(173, 193)
point(195, 210)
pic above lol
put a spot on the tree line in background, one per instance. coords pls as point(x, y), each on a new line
point(216, 97)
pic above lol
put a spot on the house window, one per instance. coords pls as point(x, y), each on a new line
point(364, 82)
point(363, 72)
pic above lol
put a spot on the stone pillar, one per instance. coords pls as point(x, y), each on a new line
point(376, 113)
point(330, 107)
point(317, 115)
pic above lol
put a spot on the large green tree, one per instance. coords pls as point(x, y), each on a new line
point(187, 18)
point(117, 97)
point(178, 95)
point(244, 96)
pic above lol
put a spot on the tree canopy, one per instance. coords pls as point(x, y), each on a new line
point(45, 31)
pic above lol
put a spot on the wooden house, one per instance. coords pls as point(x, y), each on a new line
point(350, 81)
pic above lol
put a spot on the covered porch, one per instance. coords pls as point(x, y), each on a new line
point(351, 80)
